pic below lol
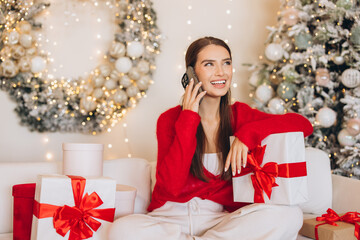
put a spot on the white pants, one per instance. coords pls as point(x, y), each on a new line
point(205, 220)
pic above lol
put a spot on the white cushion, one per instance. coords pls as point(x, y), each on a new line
point(134, 172)
point(346, 194)
point(319, 182)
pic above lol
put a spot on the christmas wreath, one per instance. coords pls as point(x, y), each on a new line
point(92, 104)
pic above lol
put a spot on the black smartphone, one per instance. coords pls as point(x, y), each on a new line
point(190, 74)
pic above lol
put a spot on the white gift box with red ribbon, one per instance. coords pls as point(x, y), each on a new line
point(72, 207)
point(276, 176)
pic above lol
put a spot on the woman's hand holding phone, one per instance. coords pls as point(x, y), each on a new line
point(192, 99)
point(237, 156)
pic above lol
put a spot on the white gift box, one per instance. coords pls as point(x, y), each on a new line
point(280, 148)
point(57, 190)
point(83, 159)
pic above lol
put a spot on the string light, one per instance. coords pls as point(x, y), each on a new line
point(228, 25)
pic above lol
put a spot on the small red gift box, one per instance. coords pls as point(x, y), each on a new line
point(23, 210)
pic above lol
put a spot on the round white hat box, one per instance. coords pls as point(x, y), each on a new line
point(83, 159)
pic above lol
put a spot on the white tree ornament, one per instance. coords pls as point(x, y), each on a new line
point(326, 117)
point(274, 52)
point(350, 78)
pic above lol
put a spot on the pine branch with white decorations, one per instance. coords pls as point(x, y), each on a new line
point(311, 66)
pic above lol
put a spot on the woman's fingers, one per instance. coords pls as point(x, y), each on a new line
point(200, 96)
point(195, 91)
point(192, 96)
point(237, 157)
point(234, 157)
point(239, 160)
point(188, 91)
point(244, 156)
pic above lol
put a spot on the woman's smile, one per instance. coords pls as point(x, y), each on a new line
point(219, 83)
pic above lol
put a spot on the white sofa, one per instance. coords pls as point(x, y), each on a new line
point(325, 190)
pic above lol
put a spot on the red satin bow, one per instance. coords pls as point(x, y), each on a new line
point(331, 217)
point(263, 178)
point(79, 220)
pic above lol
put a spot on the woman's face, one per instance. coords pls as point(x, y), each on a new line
point(214, 69)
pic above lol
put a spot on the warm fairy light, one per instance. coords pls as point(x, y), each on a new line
point(49, 156)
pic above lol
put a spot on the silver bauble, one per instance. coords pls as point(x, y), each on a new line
point(115, 75)
point(24, 64)
point(26, 40)
point(120, 97)
point(17, 51)
point(125, 81)
point(6, 52)
point(38, 64)
point(351, 78)
point(9, 68)
point(326, 117)
point(31, 51)
point(88, 104)
point(143, 82)
point(345, 138)
point(143, 66)
point(88, 89)
point(24, 27)
point(276, 106)
point(134, 74)
point(98, 93)
point(274, 52)
point(132, 91)
point(105, 70)
point(123, 64)
point(110, 84)
point(264, 93)
point(98, 81)
point(117, 50)
point(13, 37)
point(338, 59)
point(135, 49)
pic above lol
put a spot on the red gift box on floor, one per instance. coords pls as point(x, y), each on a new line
point(23, 210)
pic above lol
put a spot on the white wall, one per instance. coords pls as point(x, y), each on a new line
point(246, 37)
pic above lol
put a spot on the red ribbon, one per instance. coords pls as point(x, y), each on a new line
point(263, 178)
point(331, 217)
point(79, 219)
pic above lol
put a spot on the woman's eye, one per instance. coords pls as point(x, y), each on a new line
point(208, 64)
point(228, 63)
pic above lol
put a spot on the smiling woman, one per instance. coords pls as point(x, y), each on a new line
point(193, 195)
point(89, 104)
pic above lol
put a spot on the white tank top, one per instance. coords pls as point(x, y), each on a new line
point(211, 163)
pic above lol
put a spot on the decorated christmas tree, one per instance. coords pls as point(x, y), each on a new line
point(311, 67)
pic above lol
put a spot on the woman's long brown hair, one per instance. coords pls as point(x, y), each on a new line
point(224, 130)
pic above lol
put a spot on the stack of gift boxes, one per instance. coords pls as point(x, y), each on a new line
point(80, 204)
point(276, 174)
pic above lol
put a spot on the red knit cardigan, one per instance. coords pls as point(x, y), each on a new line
point(176, 135)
